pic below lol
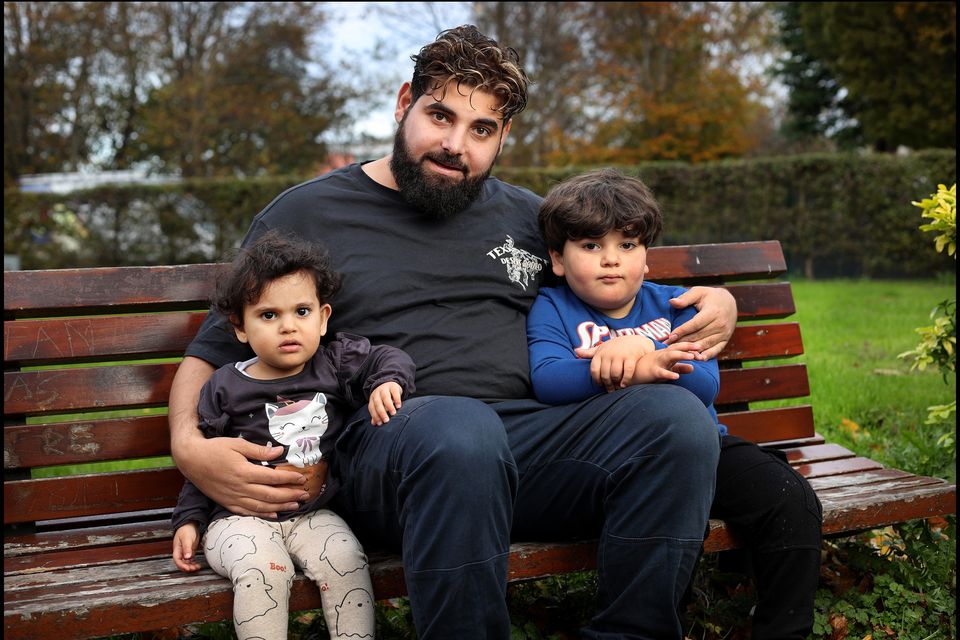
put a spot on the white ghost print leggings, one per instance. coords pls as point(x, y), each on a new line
point(259, 557)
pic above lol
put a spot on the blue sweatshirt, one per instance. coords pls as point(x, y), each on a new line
point(560, 322)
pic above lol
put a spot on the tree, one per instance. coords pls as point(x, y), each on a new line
point(622, 82)
point(50, 59)
point(195, 88)
point(894, 66)
point(815, 106)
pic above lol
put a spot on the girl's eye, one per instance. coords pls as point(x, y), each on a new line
point(628, 245)
point(591, 246)
point(268, 315)
point(303, 312)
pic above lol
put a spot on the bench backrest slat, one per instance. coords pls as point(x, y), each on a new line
point(82, 441)
point(50, 498)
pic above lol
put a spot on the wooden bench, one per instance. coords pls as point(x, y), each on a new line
point(89, 555)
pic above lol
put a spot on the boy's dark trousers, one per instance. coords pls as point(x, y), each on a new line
point(777, 513)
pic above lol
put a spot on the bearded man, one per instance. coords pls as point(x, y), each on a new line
point(442, 260)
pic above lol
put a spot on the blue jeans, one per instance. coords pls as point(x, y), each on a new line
point(448, 479)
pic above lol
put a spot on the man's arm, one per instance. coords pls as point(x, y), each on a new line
point(714, 323)
point(219, 467)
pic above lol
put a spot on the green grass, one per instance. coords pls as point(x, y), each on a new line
point(863, 395)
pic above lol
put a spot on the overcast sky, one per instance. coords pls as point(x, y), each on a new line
point(400, 28)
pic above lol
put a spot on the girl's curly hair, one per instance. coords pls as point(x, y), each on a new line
point(473, 60)
point(271, 256)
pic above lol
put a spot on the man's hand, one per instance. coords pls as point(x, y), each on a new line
point(384, 402)
point(185, 542)
point(219, 467)
point(714, 323)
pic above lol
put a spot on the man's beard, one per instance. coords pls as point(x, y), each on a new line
point(436, 195)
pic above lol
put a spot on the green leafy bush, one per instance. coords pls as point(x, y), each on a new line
point(938, 342)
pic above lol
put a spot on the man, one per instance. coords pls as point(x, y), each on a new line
point(441, 260)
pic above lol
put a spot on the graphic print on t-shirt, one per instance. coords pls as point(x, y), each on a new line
point(591, 334)
point(522, 266)
point(299, 425)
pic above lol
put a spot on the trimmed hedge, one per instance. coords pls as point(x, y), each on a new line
point(836, 214)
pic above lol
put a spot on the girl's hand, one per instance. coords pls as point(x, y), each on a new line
point(185, 542)
point(384, 402)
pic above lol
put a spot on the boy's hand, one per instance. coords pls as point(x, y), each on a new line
point(613, 360)
point(185, 542)
point(665, 364)
point(384, 402)
point(714, 323)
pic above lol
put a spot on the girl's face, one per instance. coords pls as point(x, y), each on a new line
point(284, 326)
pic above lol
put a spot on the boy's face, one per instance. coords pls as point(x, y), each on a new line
point(284, 326)
point(606, 273)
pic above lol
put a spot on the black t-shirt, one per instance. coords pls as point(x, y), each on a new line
point(452, 293)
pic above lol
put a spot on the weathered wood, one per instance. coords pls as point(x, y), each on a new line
point(90, 388)
point(763, 383)
point(98, 339)
point(116, 289)
point(89, 555)
point(754, 342)
point(49, 444)
point(771, 425)
point(73, 496)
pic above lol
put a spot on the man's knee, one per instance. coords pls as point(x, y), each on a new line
point(458, 437)
point(682, 425)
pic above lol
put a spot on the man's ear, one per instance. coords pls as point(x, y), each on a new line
point(503, 135)
point(556, 261)
point(404, 101)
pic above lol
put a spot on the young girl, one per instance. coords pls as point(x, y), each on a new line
point(298, 394)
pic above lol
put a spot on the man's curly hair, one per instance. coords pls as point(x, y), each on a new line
point(475, 61)
point(271, 256)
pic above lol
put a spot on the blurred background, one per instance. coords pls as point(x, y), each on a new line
point(152, 132)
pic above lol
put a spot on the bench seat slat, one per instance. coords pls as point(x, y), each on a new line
point(204, 594)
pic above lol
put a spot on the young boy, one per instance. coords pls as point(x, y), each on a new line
point(603, 330)
point(296, 393)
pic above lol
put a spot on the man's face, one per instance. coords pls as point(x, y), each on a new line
point(445, 147)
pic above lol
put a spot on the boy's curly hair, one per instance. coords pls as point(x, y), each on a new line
point(271, 256)
point(473, 60)
point(593, 204)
